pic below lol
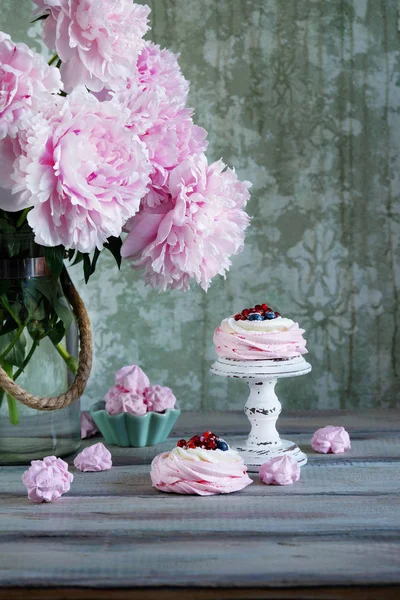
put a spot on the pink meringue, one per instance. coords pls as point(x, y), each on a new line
point(159, 398)
point(94, 458)
point(331, 439)
point(119, 399)
point(280, 470)
point(47, 480)
point(259, 340)
point(88, 426)
point(199, 471)
point(132, 378)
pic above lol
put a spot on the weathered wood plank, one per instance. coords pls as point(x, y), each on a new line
point(346, 477)
point(338, 526)
point(213, 561)
point(172, 593)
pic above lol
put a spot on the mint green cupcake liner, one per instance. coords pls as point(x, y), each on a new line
point(131, 430)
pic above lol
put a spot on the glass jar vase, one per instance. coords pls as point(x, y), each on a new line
point(34, 312)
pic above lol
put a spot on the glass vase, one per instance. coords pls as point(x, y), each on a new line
point(27, 434)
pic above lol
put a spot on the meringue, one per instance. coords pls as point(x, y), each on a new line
point(132, 378)
point(331, 439)
point(47, 480)
point(259, 340)
point(280, 470)
point(94, 458)
point(159, 398)
point(199, 471)
point(119, 399)
point(88, 426)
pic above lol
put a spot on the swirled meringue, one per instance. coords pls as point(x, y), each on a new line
point(280, 470)
point(331, 439)
point(259, 340)
point(94, 458)
point(199, 471)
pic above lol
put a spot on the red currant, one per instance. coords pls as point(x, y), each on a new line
point(195, 440)
point(211, 445)
point(238, 317)
point(245, 312)
point(191, 444)
point(207, 434)
point(181, 444)
point(277, 314)
point(265, 307)
point(252, 310)
point(258, 307)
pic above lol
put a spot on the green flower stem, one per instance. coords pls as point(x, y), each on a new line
point(12, 343)
point(6, 305)
point(11, 401)
point(22, 217)
point(70, 360)
point(53, 59)
point(27, 359)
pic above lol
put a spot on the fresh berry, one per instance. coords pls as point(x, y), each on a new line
point(259, 308)
point(222, 445)
point(277, 314)
point(191, 445)
point(256, 317)
point(211, 444)
point(265, 307)
point(251, 310)
point(195, 440)
point(206, 434)
point(245, 312)
point(270, 315)
point(181, 444)
point(239, 317)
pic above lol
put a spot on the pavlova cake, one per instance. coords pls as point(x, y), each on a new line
point(259, 333)
point(204, 465)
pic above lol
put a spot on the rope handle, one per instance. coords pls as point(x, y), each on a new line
point(77, 387)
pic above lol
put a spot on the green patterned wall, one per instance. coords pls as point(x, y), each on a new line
point(302, 96)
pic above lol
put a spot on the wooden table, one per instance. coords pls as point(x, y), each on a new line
point(334, 534)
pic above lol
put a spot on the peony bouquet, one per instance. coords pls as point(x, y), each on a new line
point(99, 145)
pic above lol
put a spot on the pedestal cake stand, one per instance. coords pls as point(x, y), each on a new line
point(263, 407)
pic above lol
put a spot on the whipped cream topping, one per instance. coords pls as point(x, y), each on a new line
point(279, 324)
point(278, 338)
point(199, 471)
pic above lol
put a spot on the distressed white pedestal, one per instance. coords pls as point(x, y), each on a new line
point(263, 407)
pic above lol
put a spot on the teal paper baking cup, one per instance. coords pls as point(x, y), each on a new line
point(131, 430)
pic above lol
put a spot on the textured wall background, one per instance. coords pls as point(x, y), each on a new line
point(302, 96)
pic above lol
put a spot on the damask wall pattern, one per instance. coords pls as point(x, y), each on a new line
point(302, 97)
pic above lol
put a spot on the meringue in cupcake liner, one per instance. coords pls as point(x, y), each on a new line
point(135, 413)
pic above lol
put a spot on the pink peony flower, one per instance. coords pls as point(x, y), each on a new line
point(94, 458)
point(46, 480)
point(132, 378)
point(159, 398)
point(82, 171)
point(194, 231)
point(119, 399)
point(97, 40)
point(159, 69)
point(280, 470)
point(331, 439)
point(25, 80)
point(88, 426)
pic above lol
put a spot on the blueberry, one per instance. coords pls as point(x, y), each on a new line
point(255, 317)
point(270, 315)
point(222, 445)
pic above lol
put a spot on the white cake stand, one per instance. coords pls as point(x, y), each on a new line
point(263, 407)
